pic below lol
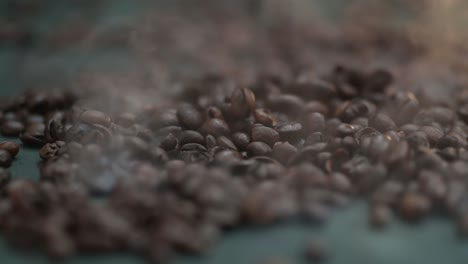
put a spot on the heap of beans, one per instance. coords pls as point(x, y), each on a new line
point(164, 179)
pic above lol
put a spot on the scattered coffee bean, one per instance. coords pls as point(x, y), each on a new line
point(10, 147)
point(5, 158)
point(11, 128)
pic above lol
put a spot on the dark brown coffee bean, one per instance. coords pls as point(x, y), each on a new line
point(283, 151)
point(418, 139)
point(316, 107)
point(398, 152)
point(50, 150)
point(214, 112)
point(189, 117)
point(346, 129)
point(264, 118)
point(190, 136)
point(5, 158)
point(314, 122)
point(289, 131)
point(414, 206)
point(216, 127)
point(378, 80)
point(93, 117)
point(4, 178)
point(10, 147)
point(314, 138)
point(433, 134)
point(170, 142)
point(226, 143)
point(316, 251)
point(286, 103)
point(265, 134)
point(313, 88)
point(408, 128)
point(11, 128)
point(258, 148)
point(382, 123)
point(339, 182)
point(380, 216)
point(210, 141)
point(242, 102)
point(241, 140)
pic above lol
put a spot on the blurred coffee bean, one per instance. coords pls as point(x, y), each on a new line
point(283, 151)
point(316, 251)
point(286, 103)
point(314, 122)
point(414, 206)
point(170, 142)
point(189, 117)
point(241, 140)
point(93, 117)
point(5, 158)
point(379, 216)
point(11, 128)
point(264, 118)
point(10, 147)
point(289, 131)
point(382, 123)
point(265, 134)
point(216, 127)
point(258, 148)
point(242, 102)
point(433, 134)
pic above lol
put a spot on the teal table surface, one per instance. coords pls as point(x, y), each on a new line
point(347, 234)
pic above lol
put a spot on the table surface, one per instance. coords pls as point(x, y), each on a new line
point(347, 233)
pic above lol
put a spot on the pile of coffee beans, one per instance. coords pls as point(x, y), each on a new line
point(169, 179)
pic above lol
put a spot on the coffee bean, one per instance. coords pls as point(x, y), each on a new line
point(382, 123)
point(189, 117)
point(289, 131)
point(216, 127)
point(314, 122)
point(5, 158)
point(380, 216)
point(214, 112)
point(10, 147)
point(50, 150)
point(170, 142)
point(346, 129)
point(264, 118)
point(93, 117)
point(190, 136)
point(283, 151)
point(210, 141)
point(418, 139)
point(433, 134)
point(316, 107)
point(226, 143)
point(314, 138)
point(258, 148)
point(11, 128)
point(414, 206)
point(286, 103)
point(265, 134)
point(4, 178)
point(242, 102)
point(241, 140)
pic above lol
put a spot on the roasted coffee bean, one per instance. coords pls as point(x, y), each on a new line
point(11, 128)
point(316, 107)
point(313, 138)
point(346, 129)
point(34, 136)
point(316, 251)
point(418, 139)
point(380, 216)
point(226, 143)
point(189, 117)
point(314, 122)
point(170, 142)
point(382, 123)
point(242, 102)
point(10, 147)
point(258, 148)
point(241, 140)
point(283, 151)
point(214, 112)
point(4, 178)
point(5, 158)
point(210, 141)
point(190, 136)
point(265, 134)
point(398, 152)
point(93, 117)
point(289, 131)
point(408, 128)
point(433, 134)
point(414, 206)
point(216, 127)
point(286, 103)
point(50, 150)
point(264, 118)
